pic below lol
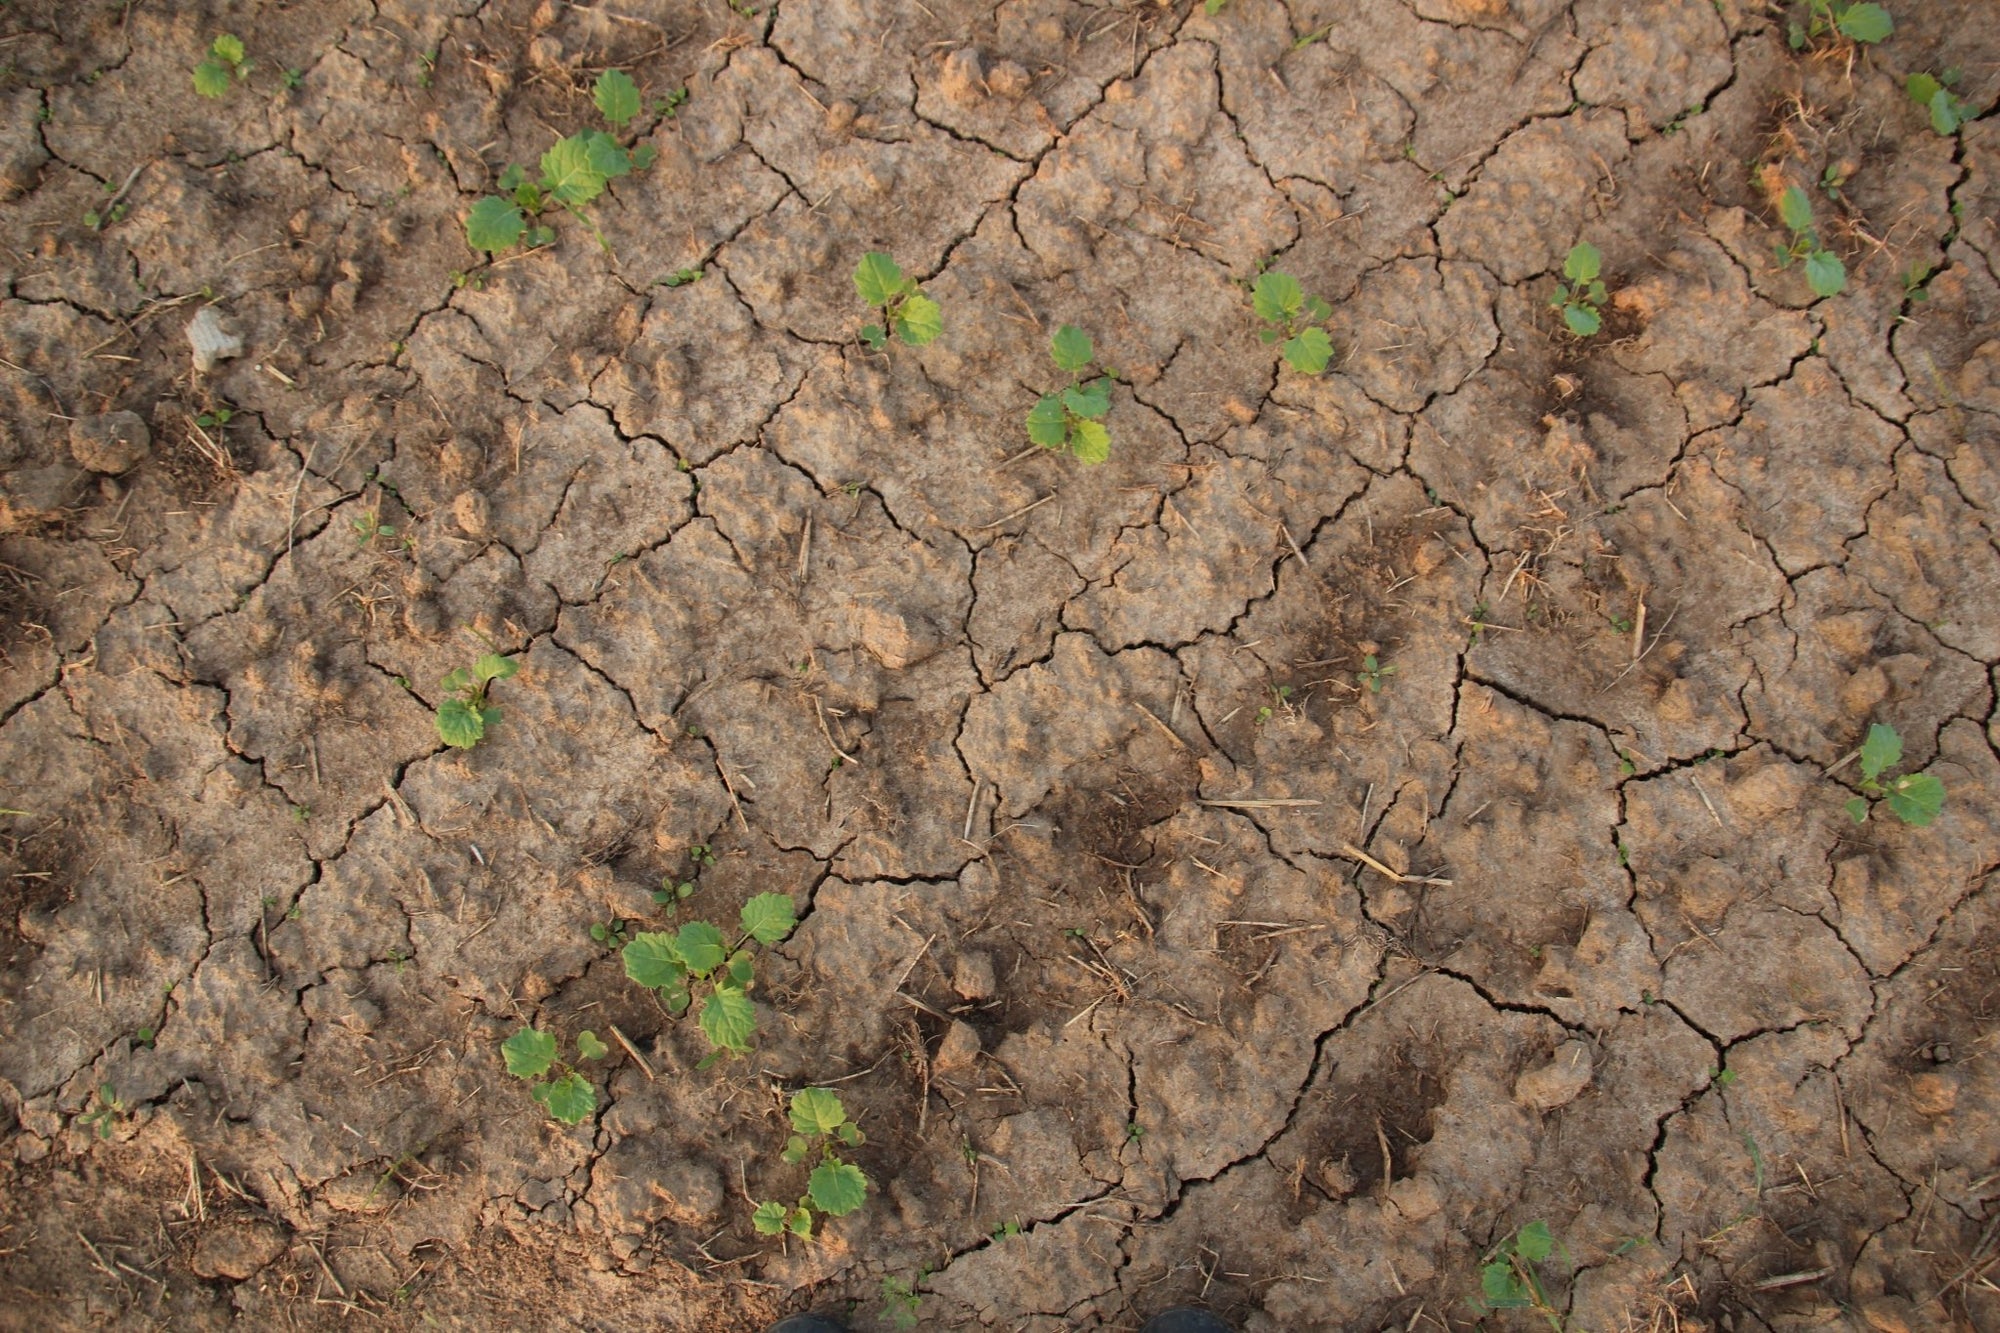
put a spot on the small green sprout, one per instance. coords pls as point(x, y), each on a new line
point(574, 172)
point(613, 934)
point(906, 311)
point(1134, 1131)
point(1006, 1230)
point(109, 1105)
point(1580, 293)
point(1825, 274)
point(216, 419)
point(1373, 673)
point(1510, 1277)
point(697, 955)
point(1866, 24)
point(222, 67)
point(900, 1301)
point(1929, 91)
point(671, 893)
point(462, 719)
point(681, 277)
point(1914, 798)
point(293, 79)
point(370, 526)
point(835, 1187)
point(1295, 317)
point(568, 1097)
point(1213, 7)
point(671, 104)
point(144, 1037)
point(1073, 418)
point(1914, 279)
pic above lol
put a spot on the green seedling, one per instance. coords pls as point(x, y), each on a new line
point(1914, 279)
point(906, 311)
point(900, 1302)
point(1073, 418)
point(1825, 274)
point(1914, 798)
point(671, 104)
point(1295, 317)
point(681, 277)
point(1929, 91)
point(574, 172)
point(835, 1187)
point(1510, 1277)
point(462, 719)
point(613, 934)
point(1006, 1230)
point(1373, 673)
point(1580, 293)
point(1213, 7)
point(109, 1106)
point(222, 67)
point(567, 1096)
point(670, 893)
point(1866, 24)
point(696, 957)
point(216, 419)
point(370, 526)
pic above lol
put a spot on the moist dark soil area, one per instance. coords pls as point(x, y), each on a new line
point(1371, 813)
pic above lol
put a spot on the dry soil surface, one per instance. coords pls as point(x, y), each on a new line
point(1160, 957)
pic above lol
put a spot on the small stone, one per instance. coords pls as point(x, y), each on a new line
point(1558, 1082)
point(958, 1050)
point(972, 976)
point(111, 442)
point(1934, 1094)
point(626, 1246)
point(213, 338)
point(237, 1251)
point(1416, 1198)
point(840, 118)
point(1007, 79)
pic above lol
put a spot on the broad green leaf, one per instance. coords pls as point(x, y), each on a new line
point(458, 678)
point(729, 1019)
point(568, 173)
point(1868, 23)
point(489, 718)
point(227, 48)
point(1091, 400)
point(800, 1224)
point(492, 666)
point(1269, 336)
point(529, 1053)
point(1582, 320)
point(589, 1047)
point(1881, 751)
point(1584, 262)
point(700, 947)
point(512, 178)
point(459, 724)
point(1071, 347)
point(1534, 1243)
point(918, 320)
point(211, 78)
point(769, 917)
point(643, 155)
point(1046, 424)
point(1922, 88)
point(1317, 309)
point(1857, 810)
point(1947, 113)
point(1795, 209)
point(877, 279)
point(837, 1188)
point(652, 960)
point(872, 335)
point(677, 998)
point(770, 1218)
point(1090, 442)
point(539, 236)
point(617, 96)
point(817, 1111)
point(569, 1099)
point(739, 973)
point(850, 1135)
point(1276, 297)
point(1916, 799)
point(1825, 274)
point(1501, 1287)
point(606, 157)
point(1309, 351)
point(796, 1149)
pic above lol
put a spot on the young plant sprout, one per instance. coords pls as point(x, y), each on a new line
point(1580, 294)
point(697, 957)
point(1295, 317)
point(1825, 274)
point(906, 311)
point(568, 1096)
point(1073, 418)
point(835, 1187)
point(463, 718)
point(1914, 798)
point(574, 172)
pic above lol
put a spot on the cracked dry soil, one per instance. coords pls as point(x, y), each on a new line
point(1068, 768)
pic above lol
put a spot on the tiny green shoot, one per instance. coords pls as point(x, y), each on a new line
point(835, 1187)
point(222, 67)
point(1293, 316)
point(681, 277)
point(109, 1106)
point(1510, 1276)
point(1825, 274)
point(1213, 7)
point(575, 171)
point(900, 1302)
point(906, 311)
point(1581, 292)
point(370, 526)
point(1865, 24)
point(613, 934)
point(1373, 673)
point(463, 718)
point(1914, 798)
point(1073, 418)
point(697, 957)
point(567, 1096)
point(1929, 91)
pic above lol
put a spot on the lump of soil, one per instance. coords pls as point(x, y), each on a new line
point(33, 496)
point(237, 1251)
point(111, 443)
point(213, 340)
